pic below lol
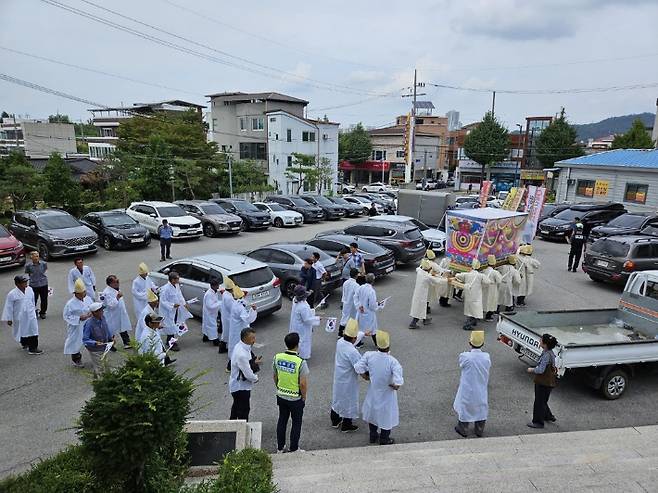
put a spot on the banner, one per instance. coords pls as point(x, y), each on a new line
point(516, 201)
point(601, 188)
point(507, 204)
point(484, 193)
point(533, 205)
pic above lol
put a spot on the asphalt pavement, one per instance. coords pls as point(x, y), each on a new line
point(41, 396)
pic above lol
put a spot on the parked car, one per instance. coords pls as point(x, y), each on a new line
point(591, 215)
point(214, 220)
point(351, 210)
point(377, 186)
point(627, 224)
point(331, 210)
point(256, 279)
point(286, 260)
point(346, 188)
point(11, 250)
point(364, 203)
point(252, 217)
point(406, 242)
point(384, 200)
point(311, 213)
point(151, 214)
point(434, 237)
point(279, 215)
point(466, 199)
point(377, 259)
point(551, 210)
point(614, 258)
point(116, 229)
point(53, 233)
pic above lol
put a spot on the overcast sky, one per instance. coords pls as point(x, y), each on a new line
point(337, 53)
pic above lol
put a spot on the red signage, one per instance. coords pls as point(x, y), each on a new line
point(365, 166)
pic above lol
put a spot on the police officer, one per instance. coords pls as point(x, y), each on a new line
point(290, 379)
point(577, 241)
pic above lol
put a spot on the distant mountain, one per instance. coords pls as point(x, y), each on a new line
point(614, 125)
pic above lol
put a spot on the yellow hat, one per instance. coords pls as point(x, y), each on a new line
point(430, 254)
point(526, 249)
point(383, 339)
point(151, 296)
point(352, 328)
point(477, 338)
point(425, 264)
point(511, 260)
point(143, 268)
point(475, 265)
point(491, 260)
point(79, 286)
point(238, 294)
point(228, 283)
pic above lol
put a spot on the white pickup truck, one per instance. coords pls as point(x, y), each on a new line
point(606, 346)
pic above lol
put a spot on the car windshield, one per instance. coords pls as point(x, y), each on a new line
point(305, 251)
point(299, 202)
point(627, 221)
point(59, 221)
point(569, 215)
point(276, 207)
point(171, 211)
point(243, 206)
point(4, 233)
point(339, 200)
point(613, 248)
point(420, 224)
point(253, 278)
point(118, 220)
point(322, 200)
point(548, 209)
point(212, 209)
point(413, 234)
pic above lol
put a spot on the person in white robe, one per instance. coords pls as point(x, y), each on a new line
point(472, 402)
point(151, 341)
point(139, 288)
point(426, 281)
point(490, 291)
point(436, 291)
point(242, 316)
point(473, 304)
point(84, 272)
point(302, 321)
point(76, 311)
point(365, 300)
point(510, 278)
point(345, 395)
point(380, 407)
point(20, 314)
point(445, 290)
point(151, 308)
point(173, 308)
point(227, 302)
point(348, 310)
point(211, 304)
point(528, 266)
point(115, 312)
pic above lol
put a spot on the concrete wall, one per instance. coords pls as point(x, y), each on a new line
point(42, 139)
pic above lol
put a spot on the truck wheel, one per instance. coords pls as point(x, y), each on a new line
point(614, 384)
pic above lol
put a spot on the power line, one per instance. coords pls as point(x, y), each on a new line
point(630, 87)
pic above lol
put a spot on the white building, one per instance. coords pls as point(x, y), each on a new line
point(36, 138)
point(288, 134)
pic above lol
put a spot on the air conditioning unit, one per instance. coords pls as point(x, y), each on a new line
point(571, 181)
point(325, 137)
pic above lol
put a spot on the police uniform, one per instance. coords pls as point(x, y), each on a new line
point(577, 241)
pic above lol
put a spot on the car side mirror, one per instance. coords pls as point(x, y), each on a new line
point(153, 215)
point(166, 271)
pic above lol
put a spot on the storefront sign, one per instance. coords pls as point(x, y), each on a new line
point(532, 174)
point(601, 188)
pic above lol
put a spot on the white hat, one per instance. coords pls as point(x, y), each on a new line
point(94, 307)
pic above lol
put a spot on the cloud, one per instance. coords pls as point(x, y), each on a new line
point(296, 75)
point(358, 76)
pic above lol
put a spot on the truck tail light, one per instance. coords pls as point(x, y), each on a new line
point(505, 340)
point(277, 282)
point(629, 266)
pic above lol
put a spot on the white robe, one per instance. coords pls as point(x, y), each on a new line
point(443, 268)
point(380, 406)
point(151, 342)
point(88, 278)
point(116, 313)
point(365, 297)
point(73, 310)
point(473, 283)
point(171, 295)
point(472, 402)
point(139, 288)
point(302, 321)
point(227, 302)
point(141, 326)
point(490, 292)
point(241, 317)
point(349, 310)
point(425, 282)
point(528, 267)
point(345, 396)
point(510, 277)
point(211, 304)
point(20, 311)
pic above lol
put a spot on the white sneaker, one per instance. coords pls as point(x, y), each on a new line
point(298, 450)
point(282, 451)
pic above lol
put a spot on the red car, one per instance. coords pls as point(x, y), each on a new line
point(12, 251)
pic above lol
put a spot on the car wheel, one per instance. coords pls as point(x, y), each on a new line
point(278, 222)
point(345, 190)
point(381, 189)
point(366, 211)
point(289, 288)
point(364, 189)
point(107, 243)
point(209, 230)
point(43, 250)
point(614, 384)
point(243, 226)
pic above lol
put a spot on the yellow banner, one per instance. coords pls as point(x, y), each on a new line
point(601, 188)
point(507, 204)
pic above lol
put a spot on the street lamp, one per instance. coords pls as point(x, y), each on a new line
point(518, 160)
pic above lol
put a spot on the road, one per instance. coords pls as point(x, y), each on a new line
point(41, 396)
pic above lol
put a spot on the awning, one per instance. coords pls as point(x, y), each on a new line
point(365, 166)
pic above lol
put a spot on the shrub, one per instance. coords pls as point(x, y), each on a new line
point(245, 471)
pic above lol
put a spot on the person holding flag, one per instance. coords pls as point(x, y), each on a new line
point(173, 308)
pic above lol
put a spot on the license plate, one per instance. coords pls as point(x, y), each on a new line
point(5, 259)
point(389, 269)
point(235, 228)
point(136, 240)
point(266, 222)
point(83, 247)
point(262, 294)
point(529, 354)
point(543, 231)
point(601, 263)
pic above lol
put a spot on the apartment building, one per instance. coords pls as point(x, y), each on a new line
point(36, 138)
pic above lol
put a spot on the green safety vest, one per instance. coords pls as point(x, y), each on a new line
point(288, 366)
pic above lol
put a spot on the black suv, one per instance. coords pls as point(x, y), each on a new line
point(614, 258)
point(627, 224)
point(376, 258)
point(311, 213)
point(116, 229)
point(252, 217)
point(591, 215)
point(53, 233)
point(331, 210)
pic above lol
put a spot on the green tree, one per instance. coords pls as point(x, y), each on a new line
point(57, 118)
point(305, 170)
point(60, 189)
point(20, 181)
point(557, 142)
point(488, 143)
point(87, 129)
point(636, 137)
point(354, 145)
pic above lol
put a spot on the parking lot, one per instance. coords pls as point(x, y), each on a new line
point(40, 397)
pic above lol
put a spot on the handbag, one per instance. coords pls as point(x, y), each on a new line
point(548, 378)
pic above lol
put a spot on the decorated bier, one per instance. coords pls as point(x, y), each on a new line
point(478, 233)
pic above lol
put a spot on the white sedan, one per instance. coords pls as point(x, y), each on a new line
point(377, 186)
point(281, 216)
point(365, 203)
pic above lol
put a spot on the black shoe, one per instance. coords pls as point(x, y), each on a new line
point(42, 316)
point(215, 342)
point(175, 347)
point(348, 428)
point(427, 321)
point(113, 349)
point(532, 424)
point(360, 344)
point(169, 258)
point(222, 347)
point(552, 419)
point(162, 259)
point(460, 432)
point(170, 362)
point(35, 352)
point(413, 325)
point(467, 327)
point(429, 310)
point(387, 441)
point(205, 338)
point(374, 439)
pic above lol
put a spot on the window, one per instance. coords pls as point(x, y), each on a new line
point(223, 148)
point(214, 123)
point(419, 121)
point(289, 160)
point(643, 251)
point(108, 132)
point(585, 188)
point(289, 135)
point(263, 255)
point(273, 119)
point(258, 123)
point(378, 155)
point(636, 193)
point(252, 150)
point(181, 269)
point(308, 136)
point(243, 123)
point(198, 274)
point(281, 258)
point(276, 136)
point(399, 154)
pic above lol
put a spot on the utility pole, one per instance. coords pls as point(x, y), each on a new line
point(412, 129)
point(16, 132)
point(493, 103)
point(230, 175)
